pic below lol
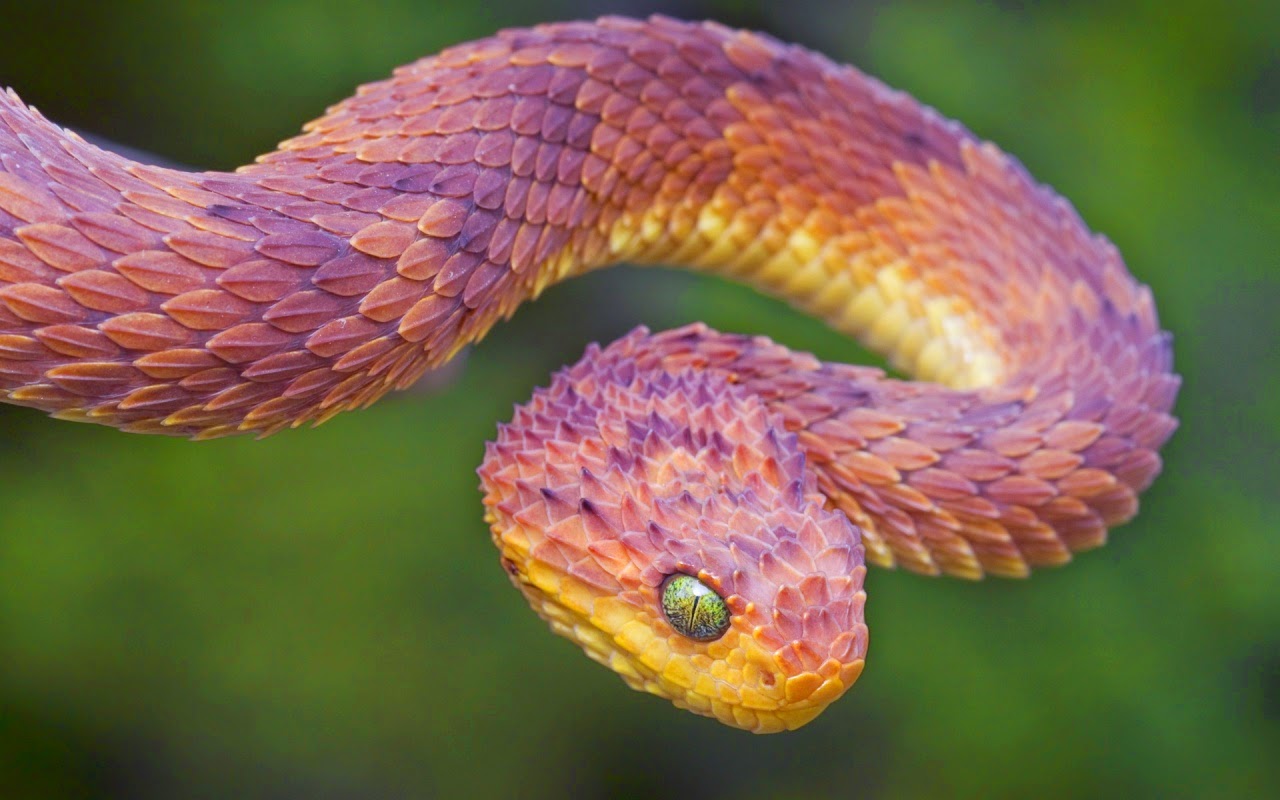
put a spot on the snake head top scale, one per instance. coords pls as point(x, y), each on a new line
point(693, 508)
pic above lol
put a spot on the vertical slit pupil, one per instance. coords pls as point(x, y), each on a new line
point(694, 609)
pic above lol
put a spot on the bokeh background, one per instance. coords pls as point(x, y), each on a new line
point(321, 614)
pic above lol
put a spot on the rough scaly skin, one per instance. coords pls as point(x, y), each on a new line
point(406, 221)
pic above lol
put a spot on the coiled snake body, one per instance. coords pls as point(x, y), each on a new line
point(405, 222)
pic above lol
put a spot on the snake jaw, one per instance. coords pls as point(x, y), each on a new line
point(616, 477)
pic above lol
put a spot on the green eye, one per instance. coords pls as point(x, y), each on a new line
point(693, 609)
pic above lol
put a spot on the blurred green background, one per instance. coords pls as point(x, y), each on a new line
point(321, 614)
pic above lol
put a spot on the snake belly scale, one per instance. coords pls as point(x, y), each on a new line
point(688, 477)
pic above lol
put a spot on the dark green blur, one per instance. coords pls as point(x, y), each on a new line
point(321, 614)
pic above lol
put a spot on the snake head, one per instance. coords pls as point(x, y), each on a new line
point(619, 487)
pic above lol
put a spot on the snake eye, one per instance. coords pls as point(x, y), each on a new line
point(694, 609)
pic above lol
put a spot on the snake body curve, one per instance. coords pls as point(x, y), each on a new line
point(404, 223)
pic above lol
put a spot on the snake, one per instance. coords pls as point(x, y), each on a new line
point(695, 509)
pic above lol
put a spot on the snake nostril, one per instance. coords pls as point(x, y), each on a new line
point(768, 680)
